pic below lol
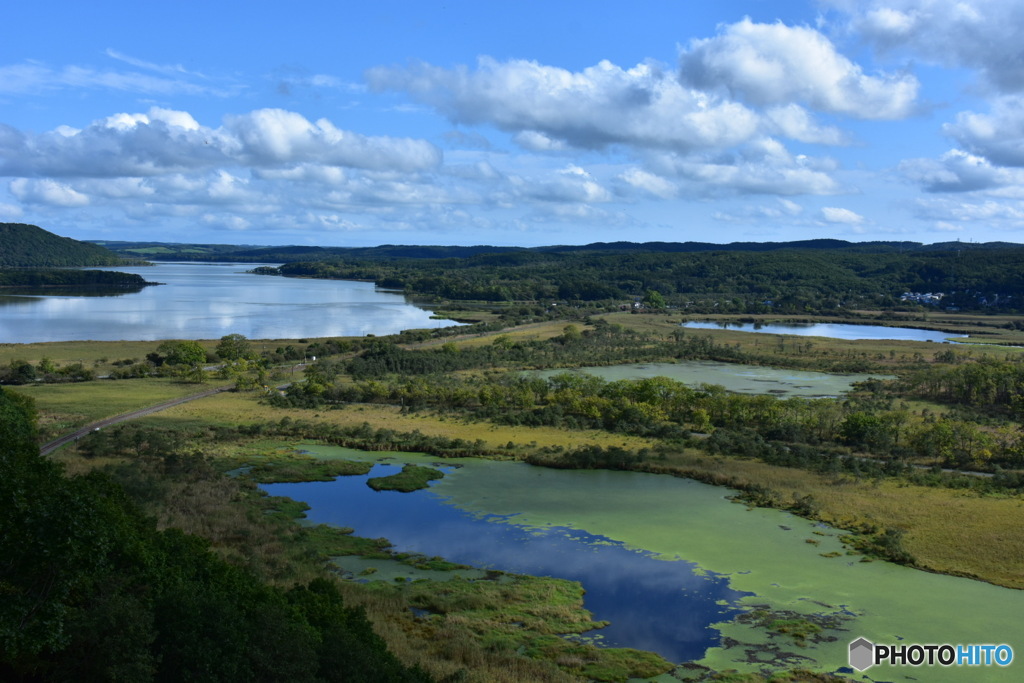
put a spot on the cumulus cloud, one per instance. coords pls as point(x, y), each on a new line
point(832, 214)
point(775, 64)
point(794, 122)
point(998, 135)
point(602, 105)
point(47, 192)
point(165, 141)
point(649, 183)
point(978, 34)
point(959, 171)
point(762, 167)
point(274, 136)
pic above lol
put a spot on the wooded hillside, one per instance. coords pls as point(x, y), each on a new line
point(29, 246)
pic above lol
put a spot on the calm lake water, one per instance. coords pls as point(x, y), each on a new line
point(208, 301)
point(639, 543)
point(832, 330)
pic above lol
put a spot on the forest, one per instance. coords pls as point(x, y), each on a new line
point(96, 280)
point(29, 246)
point(785, 280)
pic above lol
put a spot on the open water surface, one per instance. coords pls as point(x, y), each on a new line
point(208, 301)
point(832, 330)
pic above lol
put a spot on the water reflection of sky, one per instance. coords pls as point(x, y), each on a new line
point(832, 330)
point(652, 604)
point(208, 301)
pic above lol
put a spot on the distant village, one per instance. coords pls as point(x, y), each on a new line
point(935, 298)
point(929, 298)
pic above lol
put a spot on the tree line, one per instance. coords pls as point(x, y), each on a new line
point(783, 280)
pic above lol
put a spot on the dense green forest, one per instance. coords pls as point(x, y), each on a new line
point(783, 280)
point(32, 278)
point(93, 591)
point(29, 246)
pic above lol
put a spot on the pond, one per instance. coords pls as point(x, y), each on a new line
point(743, 379)
point(832, 330)
point(513, 516)
point(208, 301)
point(420, 522)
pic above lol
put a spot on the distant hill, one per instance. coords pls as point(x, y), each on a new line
point(165, 251)
point(29, 246)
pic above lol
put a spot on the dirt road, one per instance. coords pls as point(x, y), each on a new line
point(48, 448)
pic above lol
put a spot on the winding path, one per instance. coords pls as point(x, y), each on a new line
point(50, 447)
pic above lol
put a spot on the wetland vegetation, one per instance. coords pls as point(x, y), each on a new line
point(918, 464)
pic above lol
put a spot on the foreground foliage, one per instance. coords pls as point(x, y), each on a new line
point(92, 591)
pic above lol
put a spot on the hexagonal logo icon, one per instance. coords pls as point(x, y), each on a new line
point(862, 654)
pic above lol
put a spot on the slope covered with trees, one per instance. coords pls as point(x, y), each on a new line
point(93, 591)
point(29, 246)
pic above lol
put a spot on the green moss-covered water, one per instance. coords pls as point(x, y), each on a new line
point(736, 377)
point(799, 573)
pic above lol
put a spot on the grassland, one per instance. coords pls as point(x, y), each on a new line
point(64, 407)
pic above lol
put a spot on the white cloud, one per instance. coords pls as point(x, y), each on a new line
point(650, 183)
point(116, 188)
point(762, 167)
point(538, 142)
point(570, 184)
point(47, 192)
point(783, 209)
point(978, 34)
point(794, 122)
point(304, 173)
point(989, 212)
point(775, 64)
point(833, 214)
point(959, 171)
point(602, 105)
point(998, 136)
point(165, 141)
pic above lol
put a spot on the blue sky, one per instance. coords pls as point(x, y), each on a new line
point(514, 123)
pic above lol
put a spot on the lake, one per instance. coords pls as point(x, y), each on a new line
point(832, 330)
point(655, 552)
point(208, 301)
point(735, 377)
